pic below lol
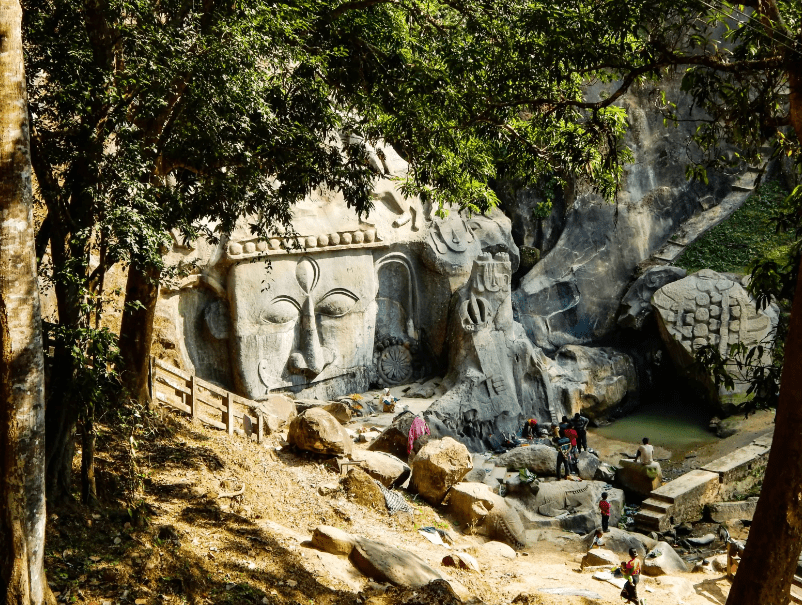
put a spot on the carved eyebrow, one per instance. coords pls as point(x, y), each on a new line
point(342, 291)
point(288, 299)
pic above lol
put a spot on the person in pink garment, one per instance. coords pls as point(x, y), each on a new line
point(417, 429)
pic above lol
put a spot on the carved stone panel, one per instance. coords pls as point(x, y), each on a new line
point(303, 319)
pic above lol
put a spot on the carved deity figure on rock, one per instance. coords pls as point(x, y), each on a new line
point(496, 376)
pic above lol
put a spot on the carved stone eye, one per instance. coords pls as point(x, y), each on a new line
point(281, 310)
point(337, 302)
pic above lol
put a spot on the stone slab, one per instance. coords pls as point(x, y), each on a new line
point(739, 464)
point(689, 493)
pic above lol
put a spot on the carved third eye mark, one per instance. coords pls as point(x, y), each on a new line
point(334, 303)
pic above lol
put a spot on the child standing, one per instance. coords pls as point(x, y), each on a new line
point(604, 508)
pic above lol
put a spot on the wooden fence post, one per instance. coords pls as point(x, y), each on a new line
point(193, 398)
point(229, 413)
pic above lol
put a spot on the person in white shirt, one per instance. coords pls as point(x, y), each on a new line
point(645, 452)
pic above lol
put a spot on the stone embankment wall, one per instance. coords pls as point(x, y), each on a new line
point(684, 498)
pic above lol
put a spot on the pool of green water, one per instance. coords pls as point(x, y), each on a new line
point(675, 423)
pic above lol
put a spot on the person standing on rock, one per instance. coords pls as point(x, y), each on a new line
point(631, 571)
point(563, 445)
point(572, 435)
point(564, 424)
point(645, 452)
point(581, 426)
point(604, 509)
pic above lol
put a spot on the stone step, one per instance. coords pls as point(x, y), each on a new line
point(652, 521)
point(655, 506)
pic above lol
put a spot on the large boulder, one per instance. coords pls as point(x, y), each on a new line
point(384, 467)
point(384, 563)
point(620, 541)
point(439, 464)
point(588, 465)
point(600, 556)
point(592, 381)
point(709, 308)
point(636, 306)
point(663, 560)
point(503, 523)
point(719, 512)
point(569, 505)
point(540, 458)
point(362, 489)
point(469, 503)
point(332, 540)
point(395, 438)
point(639, 479)
point(315, 430)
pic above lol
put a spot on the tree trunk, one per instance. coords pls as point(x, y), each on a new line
point(775, 537)
point(136, 329)
point(88, 485)
point(22, 405)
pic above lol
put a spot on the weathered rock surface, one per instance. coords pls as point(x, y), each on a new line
point(591, 381)
point(600, 556)
point(588, 465)
point(668, 562)
point(503, 523)
point(620, 541)
point(496, 377)
point(708, 308)
point(384, 467)
point(339, 410)
point(280, 406)
point(568, 505)
point(461, 560)
point(494, 549)
point(315, 430)
point(363, 490)
point(540, 458)
point(639, 478)
point(720, 512)
point(394, 439)
point(332, 540)
point(605, 472)
point(384, 563)
point(438, 465)
point(469, 503)
point(636, 306)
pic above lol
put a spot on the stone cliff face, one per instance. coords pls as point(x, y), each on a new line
point(353, 303)
point(572, 296)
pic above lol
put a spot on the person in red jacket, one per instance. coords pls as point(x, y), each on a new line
point(604, 509)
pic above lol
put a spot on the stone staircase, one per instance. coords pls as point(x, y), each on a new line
point(710, 216)
point(655, 513)
point(683, 498)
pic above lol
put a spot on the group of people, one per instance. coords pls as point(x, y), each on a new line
point(569, 437)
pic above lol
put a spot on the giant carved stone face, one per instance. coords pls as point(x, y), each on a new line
point(306, 319)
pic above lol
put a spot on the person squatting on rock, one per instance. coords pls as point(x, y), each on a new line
point(645, 452)
point(631, 571)
point(604, 509)
point(581, 426)
point(598, 539)
point(530, 430)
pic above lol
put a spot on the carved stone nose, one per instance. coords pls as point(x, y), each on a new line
point(310, 358)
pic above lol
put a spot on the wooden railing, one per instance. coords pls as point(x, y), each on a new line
point(797, 583)
point(203, 400)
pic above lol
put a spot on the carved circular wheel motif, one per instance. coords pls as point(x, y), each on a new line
point(395, 364)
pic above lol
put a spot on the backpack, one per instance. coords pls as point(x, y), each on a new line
point(564, 446)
